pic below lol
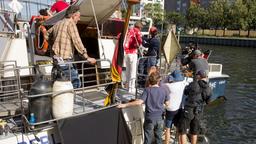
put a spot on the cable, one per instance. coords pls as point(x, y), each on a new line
point(98, 30)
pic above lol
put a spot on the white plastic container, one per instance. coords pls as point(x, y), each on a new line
point(62, 104)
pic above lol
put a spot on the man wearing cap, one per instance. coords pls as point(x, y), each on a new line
point(64, 37)
point(198, 92)
point(198, 63)
point(153, 45)
point(132, 42)
point(174, 87)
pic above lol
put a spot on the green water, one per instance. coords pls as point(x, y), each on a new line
point(234, 122)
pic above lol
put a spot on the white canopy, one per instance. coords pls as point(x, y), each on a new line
point(103, 9)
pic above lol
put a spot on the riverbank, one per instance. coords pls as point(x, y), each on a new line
point(224, 41)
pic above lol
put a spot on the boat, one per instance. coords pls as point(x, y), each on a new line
point(17, 75)
point(174, 56)
point(90, 117)
point(217, 81)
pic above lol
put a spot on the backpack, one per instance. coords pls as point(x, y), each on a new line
point(206, 92)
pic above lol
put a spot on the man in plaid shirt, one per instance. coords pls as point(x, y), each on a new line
point(65, 36)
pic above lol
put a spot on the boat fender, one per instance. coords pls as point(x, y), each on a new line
point(62, 99)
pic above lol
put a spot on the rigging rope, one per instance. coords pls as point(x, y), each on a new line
point(98, 30)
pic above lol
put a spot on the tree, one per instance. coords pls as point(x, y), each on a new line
point(204, 19)
point(251, 18)
point(226, 16)
point(154, 11)
point(175, 18)
point(239, 12)
point(216, 11)
point(193, 16)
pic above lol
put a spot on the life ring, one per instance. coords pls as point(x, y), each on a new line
point(40, 43)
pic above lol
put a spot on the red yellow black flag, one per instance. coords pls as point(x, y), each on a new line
point(116, 69)
point(117, 60)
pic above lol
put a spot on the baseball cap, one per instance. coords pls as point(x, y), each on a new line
point(197, 52)
point(153, 30)
point(202, 73)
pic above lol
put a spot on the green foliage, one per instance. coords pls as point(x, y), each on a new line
point(239, 13)
point(197, 17)
point(154, 11)
point(251, 16)
point(219, 14)
point(175, 18)
point(216, 13)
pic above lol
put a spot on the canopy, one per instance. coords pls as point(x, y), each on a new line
point(103, 9)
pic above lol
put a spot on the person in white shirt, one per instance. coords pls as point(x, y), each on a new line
point(175, 86)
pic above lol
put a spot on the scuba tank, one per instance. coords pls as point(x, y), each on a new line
point(40, 106)
point(63, 96)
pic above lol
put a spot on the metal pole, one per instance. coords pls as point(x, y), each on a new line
point(128, 15)
point(31, 47)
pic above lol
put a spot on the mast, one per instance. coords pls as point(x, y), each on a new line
point(128, 14)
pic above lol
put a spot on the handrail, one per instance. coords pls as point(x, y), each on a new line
point(33, 126)
point(81, 94)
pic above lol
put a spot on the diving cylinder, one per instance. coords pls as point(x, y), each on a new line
point(40, 106)
point(62, 103)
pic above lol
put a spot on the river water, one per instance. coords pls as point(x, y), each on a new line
point(234, 121)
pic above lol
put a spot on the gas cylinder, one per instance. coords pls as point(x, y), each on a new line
point(62, 102)
point(41, 106)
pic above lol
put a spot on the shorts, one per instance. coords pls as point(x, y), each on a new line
point(189, 121)
point(169, 118)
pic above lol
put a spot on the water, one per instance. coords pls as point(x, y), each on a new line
point(234, 122)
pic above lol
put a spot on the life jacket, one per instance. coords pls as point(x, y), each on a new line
point(40, 43)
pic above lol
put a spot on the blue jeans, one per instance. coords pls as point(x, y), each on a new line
point(72, 74)
point(153, 128)
point(152, 61)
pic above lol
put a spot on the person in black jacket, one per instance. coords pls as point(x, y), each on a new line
point(198, 92)
point(153, 45)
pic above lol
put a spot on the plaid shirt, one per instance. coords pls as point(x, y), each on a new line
point(65, 36)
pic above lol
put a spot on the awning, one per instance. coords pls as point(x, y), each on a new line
point(103, 9)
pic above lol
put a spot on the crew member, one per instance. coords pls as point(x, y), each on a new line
point(65, 37)
point(153, 44)
point(198, 92)
point(198, 63)
point(132, 42)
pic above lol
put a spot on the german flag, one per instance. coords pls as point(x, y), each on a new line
point(116, 70)
point(117, 60)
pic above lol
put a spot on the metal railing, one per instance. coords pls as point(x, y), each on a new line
point(142, 72)
point(16, 87)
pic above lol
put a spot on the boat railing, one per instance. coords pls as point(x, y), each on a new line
point(86, 106)
point(142, 72)
point(15, 87)
point(9, 80)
